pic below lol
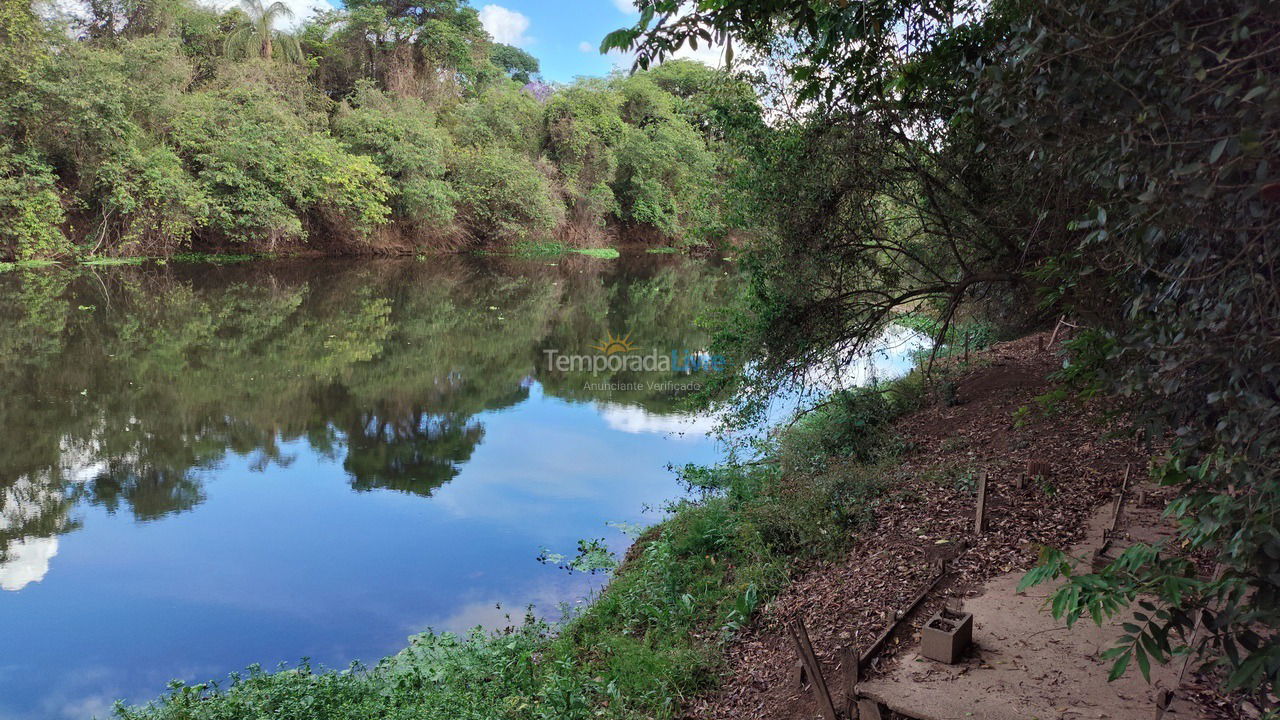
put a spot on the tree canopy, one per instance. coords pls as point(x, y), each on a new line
point(1109, 160)
point(149, 126)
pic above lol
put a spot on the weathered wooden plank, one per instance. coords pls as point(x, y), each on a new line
point(804, 648)
point(980, 510)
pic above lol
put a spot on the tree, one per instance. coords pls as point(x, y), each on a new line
point(518, 64)
point(259, 35)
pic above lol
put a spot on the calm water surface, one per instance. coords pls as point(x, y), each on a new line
point(206, 467)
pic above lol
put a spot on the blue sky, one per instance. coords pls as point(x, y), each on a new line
point(563, 34)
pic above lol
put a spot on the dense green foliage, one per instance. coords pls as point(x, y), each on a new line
point(1112, 160)
point(145, 127)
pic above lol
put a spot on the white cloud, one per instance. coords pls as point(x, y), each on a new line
point(712, 55)
point(586, 47)
point(625, 6)
point(506, 26)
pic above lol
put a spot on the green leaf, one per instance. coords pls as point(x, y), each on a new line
point(1216, 152)
point(1144, 664)
point(1121, 664)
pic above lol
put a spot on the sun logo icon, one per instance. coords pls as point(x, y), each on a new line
point(611, 344)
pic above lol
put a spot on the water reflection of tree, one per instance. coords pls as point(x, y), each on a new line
point(149, 492)
point(414, 455)
point(153, 373)
point(33, 506)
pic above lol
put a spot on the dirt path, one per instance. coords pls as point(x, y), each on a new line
point(1024, 664)
point(930, 517)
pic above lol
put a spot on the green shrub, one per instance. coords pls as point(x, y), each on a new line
point(584, 128)
point(501, 116)
point(849, 424)
point(1087, 359)
point(503, 195)
point(267, 175)
point(31, 213)
point(665, 176)
point(156, 202)
point(398, 134)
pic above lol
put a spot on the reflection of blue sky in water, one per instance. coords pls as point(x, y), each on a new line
point(347, 457)
point(285, 563)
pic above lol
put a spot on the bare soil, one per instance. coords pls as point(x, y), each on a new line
point(1078, 457)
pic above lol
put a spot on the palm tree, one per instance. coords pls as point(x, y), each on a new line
point(258, 32)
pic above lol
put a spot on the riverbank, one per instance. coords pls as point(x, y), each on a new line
point(519, 250)
point(692, 624)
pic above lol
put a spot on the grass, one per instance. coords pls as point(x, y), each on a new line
point(655, 635)
point(26, 265)
point(538, 248)
point(663, 251)
point(113, 261)
point(218, 258)
point(550, 248)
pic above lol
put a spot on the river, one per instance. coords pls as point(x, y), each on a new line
point(204, 467)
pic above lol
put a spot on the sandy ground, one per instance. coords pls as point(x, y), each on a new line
point(1023, 664)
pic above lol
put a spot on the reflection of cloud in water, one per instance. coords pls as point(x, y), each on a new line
point(28, 562)
point(84, 692)
point(38, 501)
point(631, 419)
point(891, 356)
point(92, 706)
point(546, 595)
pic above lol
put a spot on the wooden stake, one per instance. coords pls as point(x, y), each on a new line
point(980, 511)
point(851, 673)
point(805, 649)
point(1124, 485)
point(1057, 327)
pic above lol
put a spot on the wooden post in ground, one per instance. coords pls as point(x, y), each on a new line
point(1124, 485)
point(805, 649)
point(869, 709)
point(851, 673)
point(980, 510)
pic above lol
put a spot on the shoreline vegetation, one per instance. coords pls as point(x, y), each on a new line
point(170, 128)
point(532, 252)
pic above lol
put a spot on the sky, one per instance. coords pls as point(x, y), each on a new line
point(564, 35)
